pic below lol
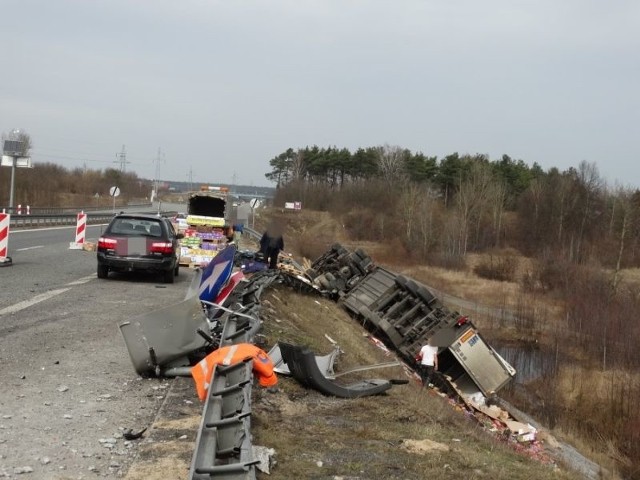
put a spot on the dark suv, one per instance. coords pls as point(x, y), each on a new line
point(134, 242)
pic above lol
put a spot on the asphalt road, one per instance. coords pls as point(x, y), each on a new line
point(68, 389)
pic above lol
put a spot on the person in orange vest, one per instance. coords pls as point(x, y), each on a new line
point(230, 355)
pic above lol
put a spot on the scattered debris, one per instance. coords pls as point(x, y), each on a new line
point(130, 435)
point(265, 457)
point(304, 368)
point(21, 470)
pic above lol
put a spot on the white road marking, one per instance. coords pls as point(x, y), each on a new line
point(82, 280)
point(28, 248)
point(28, 303)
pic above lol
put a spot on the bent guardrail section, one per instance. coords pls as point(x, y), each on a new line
point(223, 445)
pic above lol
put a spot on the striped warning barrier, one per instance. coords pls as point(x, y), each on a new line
point(5, 220)
point(81, 227)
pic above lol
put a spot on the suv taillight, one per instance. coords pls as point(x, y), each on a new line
point(107, 243)
point(162, 247)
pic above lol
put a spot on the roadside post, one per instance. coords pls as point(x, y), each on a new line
point(5, 221)
point(14, 156)
point(254, 203)
point(81, 228)
point(114, 192)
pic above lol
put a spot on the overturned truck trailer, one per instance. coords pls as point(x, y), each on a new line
point(408, 315)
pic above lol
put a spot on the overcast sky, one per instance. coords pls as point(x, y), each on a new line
point(221, 87)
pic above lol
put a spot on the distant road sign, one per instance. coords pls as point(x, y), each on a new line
point(21, 162)
point(254, 202)
point(114, 191)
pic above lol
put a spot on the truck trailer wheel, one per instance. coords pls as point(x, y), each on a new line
point(412, 287)
point(426, 296)
point(401, 281)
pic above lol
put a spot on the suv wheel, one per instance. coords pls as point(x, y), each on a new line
point(177, 269)
point(103, 271)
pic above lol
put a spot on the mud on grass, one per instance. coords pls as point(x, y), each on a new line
point(406, 433)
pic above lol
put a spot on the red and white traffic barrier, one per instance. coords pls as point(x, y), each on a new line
point(81, 229)
point(5, 220)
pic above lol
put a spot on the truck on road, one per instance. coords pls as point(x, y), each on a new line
point(208, 207)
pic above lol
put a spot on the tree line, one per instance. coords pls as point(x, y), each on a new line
point(471, 203)
point(51, 185)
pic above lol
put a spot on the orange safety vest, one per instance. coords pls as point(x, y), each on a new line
point(230, 355)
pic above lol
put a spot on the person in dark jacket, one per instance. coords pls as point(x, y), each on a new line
point(271, 244)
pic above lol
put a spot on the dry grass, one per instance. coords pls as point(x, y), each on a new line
point(467, 285)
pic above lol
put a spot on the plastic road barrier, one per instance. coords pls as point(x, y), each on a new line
point(81, 227)
point(5, 220)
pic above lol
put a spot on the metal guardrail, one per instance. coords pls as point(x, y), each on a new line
point(252, 233)
point(223, 445)
point(69, 218)
point(35, 221)
point(63, 210)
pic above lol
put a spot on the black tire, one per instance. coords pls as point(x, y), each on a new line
point(362, 254)
point(168, 276)
point(343, 258)
point(401, 281)
point(426, 296)
point(103, 271)
point(324, 281)
point(336, 247)
point(412, 287)
point(176, 271)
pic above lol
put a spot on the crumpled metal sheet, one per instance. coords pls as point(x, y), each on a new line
point(165, 337)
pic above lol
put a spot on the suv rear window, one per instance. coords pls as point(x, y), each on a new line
point(136, 226)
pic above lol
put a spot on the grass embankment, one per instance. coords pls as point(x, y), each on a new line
point(409, 432)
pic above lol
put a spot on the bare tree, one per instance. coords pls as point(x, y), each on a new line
point(624, 199)
point(591, 184)
point(391, 163)
point(497, 197)
point(471, 199)
point(409, 207)
point(427, 205)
